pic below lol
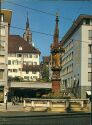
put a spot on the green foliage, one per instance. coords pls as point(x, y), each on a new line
point(15, 79)
point(45, 73)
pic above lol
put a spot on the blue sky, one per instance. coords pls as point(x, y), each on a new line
point(68, 11)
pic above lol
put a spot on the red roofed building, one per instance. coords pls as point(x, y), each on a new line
point(23, 59)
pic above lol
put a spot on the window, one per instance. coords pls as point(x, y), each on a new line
point(26, 77)
point(2, 30)
point(30, 55)
point(2, 48)
point(36, 56)
point(1, 74)
point(15, 62)
point(2, 45)
point(89, 62)
point(34, 77)
point(2, 59)
point(30, 62)
point(1, 17)
point(26, 55)
point(10, 70)
point(34, 72)
point(12, 55)
point(19, 55)
point(14, 70)
point(90, 34)
point(20, 69)
point(9, 62)
point(35, 63)
point(87, 21)
point(90, 48)
point(89, 76)
point(20, 47)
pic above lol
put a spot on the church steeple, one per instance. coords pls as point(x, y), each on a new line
point(27, 22)
point(27, 34)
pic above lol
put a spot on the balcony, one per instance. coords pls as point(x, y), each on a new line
point(28, 68)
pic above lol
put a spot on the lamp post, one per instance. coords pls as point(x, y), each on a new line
point(74, 85)
point(6, 100)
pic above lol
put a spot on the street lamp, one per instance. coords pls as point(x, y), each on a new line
point(74, 85)
point(6, 100)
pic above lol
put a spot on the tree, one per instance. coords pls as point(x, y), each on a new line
point(45, 73)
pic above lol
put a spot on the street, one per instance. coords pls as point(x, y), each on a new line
point(39, 118)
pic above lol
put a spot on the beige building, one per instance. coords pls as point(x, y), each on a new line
point(77, 59)
point(5, 19)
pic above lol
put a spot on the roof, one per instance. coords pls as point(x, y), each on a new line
point(7, 15)
point(15, 42)
point(74, 26)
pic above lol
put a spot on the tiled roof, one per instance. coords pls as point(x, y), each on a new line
point(15, 42)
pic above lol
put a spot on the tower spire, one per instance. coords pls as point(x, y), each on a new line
point(27, 22)
point(56, 32)
point(27, 34)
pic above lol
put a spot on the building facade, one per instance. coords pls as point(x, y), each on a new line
point(23, 59)
point(5, 19)
point(76, 71)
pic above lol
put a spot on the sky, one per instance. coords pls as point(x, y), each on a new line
point(68, 11)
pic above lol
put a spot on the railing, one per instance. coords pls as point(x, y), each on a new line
point(60, 104)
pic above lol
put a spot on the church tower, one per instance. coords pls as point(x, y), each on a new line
point(27, 34)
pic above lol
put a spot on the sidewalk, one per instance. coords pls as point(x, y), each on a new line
point(10, 107)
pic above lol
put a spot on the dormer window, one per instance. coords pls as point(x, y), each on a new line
point(20, 48)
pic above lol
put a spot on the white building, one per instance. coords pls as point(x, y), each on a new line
point(23, 59)
point(5, 19)
point(77, 60)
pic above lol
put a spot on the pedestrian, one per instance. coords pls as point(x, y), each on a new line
point(13, 101)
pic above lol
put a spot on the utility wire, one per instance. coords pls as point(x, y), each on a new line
point(40, 11)
point(47, 34)
point(31, 30)
point(26, 7)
